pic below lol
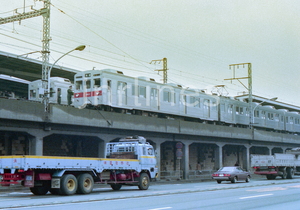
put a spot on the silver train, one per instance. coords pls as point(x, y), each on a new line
point(111, 90)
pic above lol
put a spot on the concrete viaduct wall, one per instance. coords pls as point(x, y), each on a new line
point(25, 118)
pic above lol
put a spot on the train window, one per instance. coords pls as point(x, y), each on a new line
point(263, 114)
point(78, 85)
point(51, 92)
point(166, 96)
point(153, 93)
point(88, 84)
point(230, 109)
point(291, 120)
point(237, 110)
point(32, 93)
point(241, 110)
point(214, 106)
point(247, 112)
point(282, 118)
point(256, 113)
point(133, 87)
point(78, 77)
point(270, 116)
point(88, 75)
point(286, 120)
point(142, 91)
point(277, 117)
point(97, 83)
point(197, 102)
point(96, 75)
point(192, 101)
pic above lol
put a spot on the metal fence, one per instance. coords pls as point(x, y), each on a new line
point(199, 175)
point(171, 175)
point(192, 175)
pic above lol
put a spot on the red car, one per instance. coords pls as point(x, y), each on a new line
point(231, 173)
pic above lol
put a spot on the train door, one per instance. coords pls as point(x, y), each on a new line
point(109, 92)
point(230, 113)
point(58, 91)
point(122, 93)
point(206, 108)
point(183, 104)
point(154, 99)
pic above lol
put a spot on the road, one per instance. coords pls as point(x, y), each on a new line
point(258, 194)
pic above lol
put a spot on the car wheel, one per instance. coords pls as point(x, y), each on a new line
point(219, 182)
point(248, 179)
point(233, 180)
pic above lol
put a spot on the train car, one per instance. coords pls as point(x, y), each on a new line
point(292, 122)
point(112, 89)
point(57, 84)
point(268, 117)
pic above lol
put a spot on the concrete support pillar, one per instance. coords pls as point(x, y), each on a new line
point(270, 150)
point(36, 145)
point(158, 151)
point(219, 155)
point(158, 157)
point(101, 148)
point(284, 149)
point(7, 144)
point(186, 159)
point(246, 157)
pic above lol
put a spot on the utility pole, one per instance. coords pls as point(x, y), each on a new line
point(164, 70)
point(249, 88)
point(45, 12)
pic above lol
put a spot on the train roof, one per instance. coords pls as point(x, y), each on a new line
point(30, 69)
point(277, 104)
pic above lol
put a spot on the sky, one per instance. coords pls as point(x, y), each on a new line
point(199, 38)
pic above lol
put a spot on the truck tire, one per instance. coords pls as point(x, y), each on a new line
point(144, 181)
point(290, 173)
point(68, 184)
point(284, 174)
point(116, 186)
point(39, 190)
point(85, 183)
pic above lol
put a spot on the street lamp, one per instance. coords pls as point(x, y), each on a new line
point(80, 48)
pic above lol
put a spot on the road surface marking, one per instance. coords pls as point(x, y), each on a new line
point(161, 208)
point(256, 196)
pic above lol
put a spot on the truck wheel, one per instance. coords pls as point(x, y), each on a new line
point(144, 181)
point(68, 184)
point(39, 190)
point(284, 174)
point(219, 181)
point(290, 173)
point(116, 186)
point(85, 184)
point(233, 180)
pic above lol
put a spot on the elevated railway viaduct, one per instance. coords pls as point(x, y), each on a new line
point(182, 147)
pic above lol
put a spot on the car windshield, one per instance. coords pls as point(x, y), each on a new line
point(227, 169)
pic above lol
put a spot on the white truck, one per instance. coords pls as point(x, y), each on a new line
point(130, 161)
point(283, 165)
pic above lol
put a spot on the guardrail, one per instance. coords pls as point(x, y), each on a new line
point(200, 175)
point(171, 175)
